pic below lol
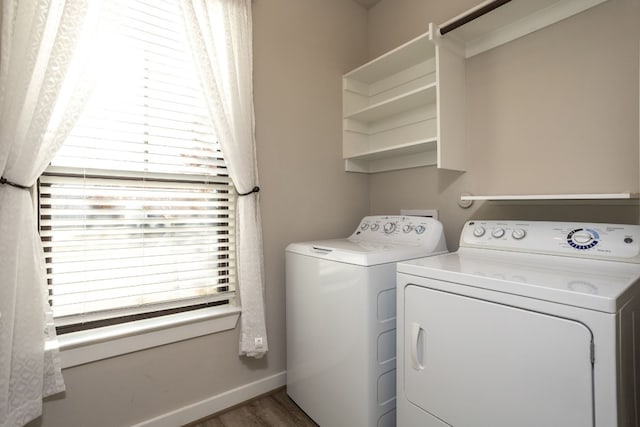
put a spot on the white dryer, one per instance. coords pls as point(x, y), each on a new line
point(341, 319)
point(528, 324)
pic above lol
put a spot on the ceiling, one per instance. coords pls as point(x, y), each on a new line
point(367, 3)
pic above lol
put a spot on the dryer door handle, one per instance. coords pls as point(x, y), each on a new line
point(417, 345)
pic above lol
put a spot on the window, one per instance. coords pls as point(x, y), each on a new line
point(137, 209)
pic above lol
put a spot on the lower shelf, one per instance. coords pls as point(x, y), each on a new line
point(581, 196)
point(409, 155)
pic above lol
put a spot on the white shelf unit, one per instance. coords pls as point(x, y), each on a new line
point(510, 21)
point(398, 111)
point(405, 108)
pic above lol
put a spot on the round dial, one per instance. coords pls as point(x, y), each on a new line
point(583, 238)
point(498, 232)
point(389, 227)
point(420, 229)
point(364, 226)
point(518, 233)
point(407, 228)
point(479, 231)
point(374, 227)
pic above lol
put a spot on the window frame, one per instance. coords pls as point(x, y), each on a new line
point(91, 345)
point(84, 346)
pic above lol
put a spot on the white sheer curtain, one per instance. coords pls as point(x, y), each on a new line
point(221, 36)
point(41, 94)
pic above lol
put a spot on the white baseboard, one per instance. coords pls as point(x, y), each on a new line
point(195, 411)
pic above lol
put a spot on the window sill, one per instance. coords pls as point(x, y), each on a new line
point(77, 348)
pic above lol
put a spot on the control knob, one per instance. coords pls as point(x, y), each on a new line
point(364, 226)
point(375, 226)
point(479, 231)
point(582, 237)
point(498, 233)
point(389, 227)
point(407, 228)
point(420, 229)
point(518, 233)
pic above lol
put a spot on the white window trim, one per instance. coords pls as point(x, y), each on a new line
point(78, 348)
point(91, 345)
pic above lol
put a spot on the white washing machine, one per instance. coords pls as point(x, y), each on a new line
point(341, 319)
point(528, 324)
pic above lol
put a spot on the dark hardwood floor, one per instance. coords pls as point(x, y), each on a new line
point(272, 410)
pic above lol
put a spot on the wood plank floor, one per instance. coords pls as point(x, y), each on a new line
point(272, 410)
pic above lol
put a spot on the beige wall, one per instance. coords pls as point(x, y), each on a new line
point(553, 112)
point(301, 49)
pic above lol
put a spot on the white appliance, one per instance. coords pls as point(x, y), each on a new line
point(341, 319)
point(528, 324)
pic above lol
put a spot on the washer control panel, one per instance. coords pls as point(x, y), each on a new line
point(398, 229)
point(584, 240)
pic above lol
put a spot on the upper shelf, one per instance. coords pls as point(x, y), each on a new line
point(507, 22)
point(409, 54)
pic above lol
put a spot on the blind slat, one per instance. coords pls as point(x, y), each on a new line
point(124, 243)
point(96, 177)
point(100, 254)
point(190, 261)
point(71, 222)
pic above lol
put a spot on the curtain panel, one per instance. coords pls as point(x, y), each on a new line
point(220, 34)
point(43, 87)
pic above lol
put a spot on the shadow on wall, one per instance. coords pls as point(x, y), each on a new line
point(447, 178)
point(612, 212)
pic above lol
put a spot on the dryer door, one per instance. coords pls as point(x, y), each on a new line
point(475, 363)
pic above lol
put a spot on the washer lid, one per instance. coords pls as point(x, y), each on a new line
point(360, 252)
point(593, 284)
point(380, 240)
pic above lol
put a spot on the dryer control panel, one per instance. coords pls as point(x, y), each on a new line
point(583, 240)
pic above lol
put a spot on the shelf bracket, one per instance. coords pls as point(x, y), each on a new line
point(464, 201)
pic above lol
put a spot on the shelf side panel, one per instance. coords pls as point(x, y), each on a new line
point(451, 109)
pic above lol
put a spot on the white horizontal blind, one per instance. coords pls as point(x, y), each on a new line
point(137, 209)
